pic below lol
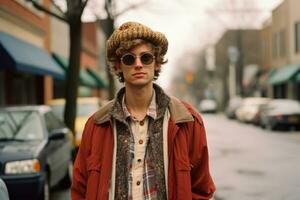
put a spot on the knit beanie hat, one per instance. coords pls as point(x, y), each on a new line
point(131, 31)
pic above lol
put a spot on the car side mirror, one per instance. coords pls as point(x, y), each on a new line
point(57, 134)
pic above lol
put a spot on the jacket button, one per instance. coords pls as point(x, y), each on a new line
point(125, 141)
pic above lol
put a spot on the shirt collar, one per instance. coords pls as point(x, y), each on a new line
point(151, 111)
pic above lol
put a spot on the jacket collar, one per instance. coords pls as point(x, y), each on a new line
point(178, 112)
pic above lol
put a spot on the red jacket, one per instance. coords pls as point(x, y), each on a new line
point(188, 173)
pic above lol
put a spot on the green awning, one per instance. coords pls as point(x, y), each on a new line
point(297, 77)
point(100, 82)
point(84, 76)
point(284, 74)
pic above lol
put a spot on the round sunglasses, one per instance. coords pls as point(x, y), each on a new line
point(129, 59)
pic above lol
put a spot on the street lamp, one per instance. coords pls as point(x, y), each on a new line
point(233, 55)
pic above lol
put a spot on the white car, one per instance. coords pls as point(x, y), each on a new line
point(208, 106)
point(249, 109)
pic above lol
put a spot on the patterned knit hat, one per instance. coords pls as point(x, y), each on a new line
point(131, 31)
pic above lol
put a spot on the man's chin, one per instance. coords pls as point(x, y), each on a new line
point(139, 83)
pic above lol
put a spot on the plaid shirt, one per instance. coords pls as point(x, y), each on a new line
point(149, 188)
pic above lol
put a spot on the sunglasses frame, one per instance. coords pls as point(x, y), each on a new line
point(135, 57)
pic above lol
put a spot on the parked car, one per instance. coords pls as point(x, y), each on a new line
point(208, 106)
point(86, 106)
point(279, 113)
point(35, 151)
point(3, 191)
point(233, 104)
point(247, 112)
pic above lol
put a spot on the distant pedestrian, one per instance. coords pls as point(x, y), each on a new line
point(143, 144)
point(3, 191)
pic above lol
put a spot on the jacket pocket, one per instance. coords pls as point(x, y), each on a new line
point(183, 165)
point(183, 179)
point(94, 171)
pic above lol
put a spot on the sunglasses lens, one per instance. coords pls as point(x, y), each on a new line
point(128, 59)
point(147, 58)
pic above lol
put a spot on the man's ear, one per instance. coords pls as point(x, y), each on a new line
point(157, 67)
point(117, 67)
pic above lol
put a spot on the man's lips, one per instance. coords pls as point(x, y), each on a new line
point(138, 74)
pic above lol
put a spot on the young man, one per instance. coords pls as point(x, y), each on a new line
point(143, 144)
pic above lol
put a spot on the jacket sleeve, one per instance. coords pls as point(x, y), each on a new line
point(201, 181)
point(79, 183)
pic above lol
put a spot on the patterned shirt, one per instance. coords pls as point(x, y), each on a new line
point(141, 183)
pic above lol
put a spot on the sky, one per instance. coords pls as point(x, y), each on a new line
point(189, 25)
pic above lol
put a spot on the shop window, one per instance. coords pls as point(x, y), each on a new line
point(298, 91)
point(280, 91)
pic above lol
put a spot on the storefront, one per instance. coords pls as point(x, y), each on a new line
point(283, 81)
point(89, 80)
point(23, 68)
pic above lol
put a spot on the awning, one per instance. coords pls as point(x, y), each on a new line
point(84, 77)
point(100, 82)
point(284, 74)
point(22, 56)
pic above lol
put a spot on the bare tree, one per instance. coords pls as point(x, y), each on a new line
point(72, 16)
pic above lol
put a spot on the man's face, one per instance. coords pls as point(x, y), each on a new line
point(138, 66)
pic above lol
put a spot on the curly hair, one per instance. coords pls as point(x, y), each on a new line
point(126, 46)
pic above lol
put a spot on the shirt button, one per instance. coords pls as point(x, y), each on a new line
point(141, 141)
point(142, 123)
point(139, 160)
point(138, 182)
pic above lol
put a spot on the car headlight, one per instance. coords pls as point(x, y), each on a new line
point(23, 167)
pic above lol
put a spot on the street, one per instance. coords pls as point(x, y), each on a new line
point(247, 162)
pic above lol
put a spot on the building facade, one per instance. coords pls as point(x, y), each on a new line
point(285, 32)
point(247, 43)
point(22, 78)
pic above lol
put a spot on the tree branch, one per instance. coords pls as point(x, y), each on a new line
point(84, 5)
point(107, 7)
point(42, 8)
point(57, 7)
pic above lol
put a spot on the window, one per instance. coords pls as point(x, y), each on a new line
point(21, 125)
point(52, 123)
point(275, 45)
point(282, 47)
point(297, 37)
point(279, 44)
point(280, 91)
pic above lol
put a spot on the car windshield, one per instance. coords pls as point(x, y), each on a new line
point(83, 109)
point(20, 125)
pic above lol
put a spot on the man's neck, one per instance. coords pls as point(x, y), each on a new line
point(138, 99)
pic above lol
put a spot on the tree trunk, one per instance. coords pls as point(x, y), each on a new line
point(107, 26)
point(72, 76)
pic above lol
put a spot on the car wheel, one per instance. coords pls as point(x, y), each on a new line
point(67, 180)
point(45, 194)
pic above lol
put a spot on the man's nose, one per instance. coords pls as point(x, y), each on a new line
point(138, 62)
